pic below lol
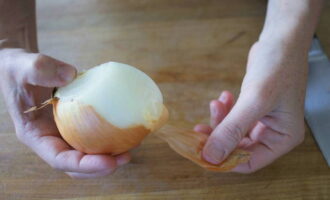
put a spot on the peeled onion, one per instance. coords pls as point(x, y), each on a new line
point(109, 109)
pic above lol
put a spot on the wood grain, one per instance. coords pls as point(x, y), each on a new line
point(193, 49)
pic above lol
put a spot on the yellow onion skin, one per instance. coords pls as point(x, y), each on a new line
point(189, 144)
point(87, 131)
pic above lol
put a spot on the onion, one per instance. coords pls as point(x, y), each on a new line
point(109, 109)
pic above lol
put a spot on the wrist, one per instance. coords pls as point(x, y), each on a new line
point(291, 23)
point(287, 41)
point(292, 35)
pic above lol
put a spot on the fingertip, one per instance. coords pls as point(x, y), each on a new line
point(197, 128)
point(77, 175)
point(213, 102)
point(246, 142)
point(225, 94)
point(98, 162)
point(49, 72)
point(123, 159)
point(203, 128)
point(215, 108)
point(210, 158)
point(227, 98)
point(223, 97)
point(66, 73)
point(212, 153)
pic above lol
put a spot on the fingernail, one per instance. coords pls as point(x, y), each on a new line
point(223, 97)
point(66, 73)
point(213, 109)
point(213, 155)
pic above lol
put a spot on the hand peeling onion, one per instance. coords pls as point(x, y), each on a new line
point(109, 109)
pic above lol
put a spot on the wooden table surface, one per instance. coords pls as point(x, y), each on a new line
point(193, 49)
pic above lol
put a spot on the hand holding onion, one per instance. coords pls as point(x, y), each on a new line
point(27, 80)
point(111, 108)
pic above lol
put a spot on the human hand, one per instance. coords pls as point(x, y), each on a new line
point(27, 80)
point(268, 118)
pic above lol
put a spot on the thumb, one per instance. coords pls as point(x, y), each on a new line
point(227, 135)
point(45, 71)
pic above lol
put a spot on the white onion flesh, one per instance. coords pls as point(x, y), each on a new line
point(121, 94)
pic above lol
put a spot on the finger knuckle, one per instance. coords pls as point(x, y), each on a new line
point(38, 61)
point(233, 133)
point(24, 135)
point(21, 136)
point(55, 166)
point(59, 162)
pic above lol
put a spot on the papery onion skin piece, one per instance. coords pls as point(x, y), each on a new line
point(189, 144)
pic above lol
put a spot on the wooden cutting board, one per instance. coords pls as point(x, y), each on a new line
point(193, 50)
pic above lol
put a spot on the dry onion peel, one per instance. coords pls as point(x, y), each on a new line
point(189, 144)
point(43, 104)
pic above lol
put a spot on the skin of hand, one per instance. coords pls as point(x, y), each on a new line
point(268, 117)
point(27, 80)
